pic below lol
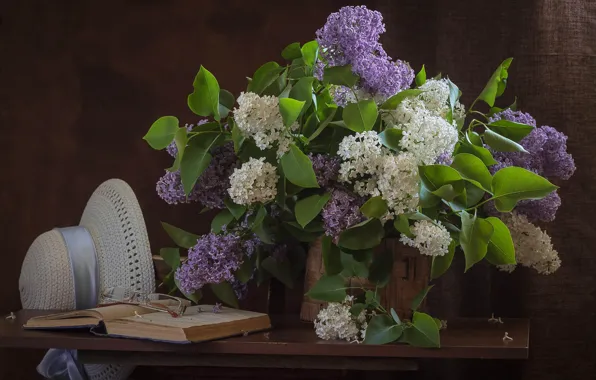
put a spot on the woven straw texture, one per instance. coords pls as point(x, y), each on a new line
point(115, 222)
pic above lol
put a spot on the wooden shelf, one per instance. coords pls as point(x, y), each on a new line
point(290, 340)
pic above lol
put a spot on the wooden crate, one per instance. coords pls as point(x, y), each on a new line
point(410, 275)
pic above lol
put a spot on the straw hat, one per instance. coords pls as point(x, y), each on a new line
point(66, 268)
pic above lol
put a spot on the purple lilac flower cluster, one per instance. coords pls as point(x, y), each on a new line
point(212, 185)
point(351, 36)
point(515, 116)
point(326, 168)
point(170, 189)
point(212, 260)
point(546, 146)
point(240, 289)
point(539, 210)
point(172, 149)
point(547, 156)
point(341, 211)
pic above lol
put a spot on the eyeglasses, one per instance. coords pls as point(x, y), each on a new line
point(153, 301)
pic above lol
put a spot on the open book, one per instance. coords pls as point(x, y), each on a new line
point(131, 321)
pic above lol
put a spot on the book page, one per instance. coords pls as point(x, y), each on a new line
point(194, 318)
point(118, 311)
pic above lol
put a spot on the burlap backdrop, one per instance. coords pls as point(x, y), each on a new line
point(81, 81)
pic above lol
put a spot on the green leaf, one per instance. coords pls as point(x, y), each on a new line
point(236, 210)
point(278, 85)
point(302, 90)
point(496, 84)
point(402, 225)
point(226, 102)
point(391, 138)
point(417, 215)
point(395, 100)
point(310, 125)
point(308, 208)
point(469, 197)
point(292, 51)
point(179, 236)
point(382, 329)
point(501, 143)
point(361, 116)
point(363, 256)
point(286, 91)
point(280, 197)
point(435, 176)
point(473, 169)
point(298, 169)
point(237, 138)
point(395, 316)
point(365, 235)
point(221, 219)
point(474, 138)
point(331, 256)
point(423, 332)
point(257, 217)
point(204, 100)
point(512, 130)
point(357, 309)
point(340, 75)
point(281, 270)
point(323, 125)
point(474, 237)
point(478, 151)
point(500, 247)
point(454, 94)
point(450, 191)
point(225, 293)
point(426, 198)
point(441, 264)
point(419, 298)
point(310, 52)
point(371, 298)
point(171, 256)
point(196, 159)
point(245, 272)
point(298, 69)
point(375, 207)
point(264, 77)
point(381, 269)
point(352, 267)
point(162, 132)
point(421, 77)
point(329, 289)
point(180, 139)
point(297, 232)
point(290, 110)
point(513, 184)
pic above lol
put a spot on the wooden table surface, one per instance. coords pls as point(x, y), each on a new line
point(464, 338)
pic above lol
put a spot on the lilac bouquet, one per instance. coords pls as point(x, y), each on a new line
point(344, 143)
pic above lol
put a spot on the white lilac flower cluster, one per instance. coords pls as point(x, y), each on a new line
point(254, 181)
point(337, 322)
point(374, 171)
point(259, 117)
point(435, 95)
point(431, 238)
point(426, 132)
point(533, 247)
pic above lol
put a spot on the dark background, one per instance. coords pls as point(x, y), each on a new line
point(81, 82)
